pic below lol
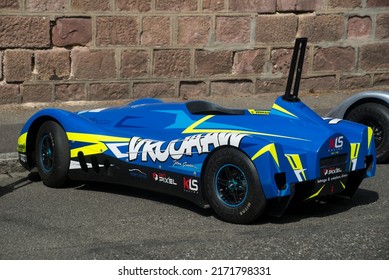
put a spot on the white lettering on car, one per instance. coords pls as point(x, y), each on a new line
point(176, 149)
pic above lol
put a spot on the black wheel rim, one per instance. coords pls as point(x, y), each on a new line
point(231, 185)
point(378, 131)
point(46, 153)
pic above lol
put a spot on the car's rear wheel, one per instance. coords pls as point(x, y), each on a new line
point(377, 117)
point(233, 188)
point(52, 154)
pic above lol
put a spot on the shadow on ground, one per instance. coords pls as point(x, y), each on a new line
point(17, 184)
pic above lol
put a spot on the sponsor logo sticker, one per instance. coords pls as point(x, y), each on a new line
point(191, 185)
point(163, 178)
point(336, 144)
point(137, 173)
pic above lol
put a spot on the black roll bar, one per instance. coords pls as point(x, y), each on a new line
point(295, 74)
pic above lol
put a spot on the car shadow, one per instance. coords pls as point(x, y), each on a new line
point(332, 206)
point(146, 194)
point(18, 184)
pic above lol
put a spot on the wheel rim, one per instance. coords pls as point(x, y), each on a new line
point(231, 185)
point(378, 131)
point(46, 153)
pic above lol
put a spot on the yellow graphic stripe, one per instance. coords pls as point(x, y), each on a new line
point(296, 164)
point(354, 150)
point(271, 148)
point(22, 143)
point(344, 187)
point(279, 108)
point(193, 129)
point(94, 138)
point(96, 143)
point(369, 136)
point(93, 149)
point(315, 194)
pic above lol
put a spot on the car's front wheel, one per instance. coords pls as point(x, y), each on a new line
point(233, 188)
point(377, 117)
point(52, 154)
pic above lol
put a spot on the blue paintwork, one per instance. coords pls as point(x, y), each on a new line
point(294, 130)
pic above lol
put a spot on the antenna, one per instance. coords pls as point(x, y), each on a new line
point(297, 59)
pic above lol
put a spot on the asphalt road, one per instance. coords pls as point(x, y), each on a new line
point(114, 222)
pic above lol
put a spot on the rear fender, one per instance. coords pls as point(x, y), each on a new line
point(272, 166)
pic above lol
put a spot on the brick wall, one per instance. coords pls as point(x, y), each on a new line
point(60, 50)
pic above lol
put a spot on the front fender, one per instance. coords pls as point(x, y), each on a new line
point(71, 122)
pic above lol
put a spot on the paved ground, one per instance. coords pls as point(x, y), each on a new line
point(113, 222)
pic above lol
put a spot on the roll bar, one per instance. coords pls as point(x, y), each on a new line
point(295, 73)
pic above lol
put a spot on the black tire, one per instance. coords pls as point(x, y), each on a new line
point(233, 188)
point(52, 154)
point(377, 117)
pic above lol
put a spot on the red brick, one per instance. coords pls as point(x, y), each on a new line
point(233, 30)
point(134, 5)
point(52, 64)
point(70, 92)
point(9, 4)
point(192, 90)
point(249, 62)
point(176, 5)
point(298, 5)
point(354, 82)
point(171, 63)
point(9, 94)
point(91, 5)
point(375, 57)
point(213, 5)
point(381, 79)
point(134, 63)
point(47, 5)
point(321, 28)
point(256, 6)
point(17, 65)
point(232, 88)
point(377, 3)
point(72, 32)
point(110, 91)
point(88, 64)
point(334, 59)
point(382, 29)
point(213, 63)
point(154, 90)
point(156, 31)
point(193, 31)
point(1, 65)
point(344, 4)
point(116, 31)
point(359, 27)
point(285, 31)
point(268, 86)
point(24, 32)
point(315, 84)
point(280, 61)
point(36, 93)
